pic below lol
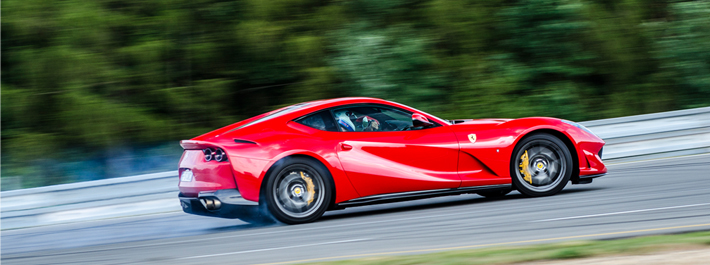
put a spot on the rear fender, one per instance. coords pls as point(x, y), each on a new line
point(343, 188)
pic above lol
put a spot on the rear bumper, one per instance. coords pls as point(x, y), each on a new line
point(230, 204)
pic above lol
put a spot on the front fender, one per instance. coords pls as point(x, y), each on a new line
point(587, 146)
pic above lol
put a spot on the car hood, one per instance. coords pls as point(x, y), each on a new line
point(479, 121)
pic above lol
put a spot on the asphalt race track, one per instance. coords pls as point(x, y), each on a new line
point(638, 198)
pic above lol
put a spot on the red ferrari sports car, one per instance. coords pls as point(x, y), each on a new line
point(295, 163)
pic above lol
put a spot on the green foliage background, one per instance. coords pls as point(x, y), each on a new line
point(83, 78)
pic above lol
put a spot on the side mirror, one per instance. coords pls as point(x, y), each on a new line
point(420, 121)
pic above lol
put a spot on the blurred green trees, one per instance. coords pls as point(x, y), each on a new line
point(82, 79)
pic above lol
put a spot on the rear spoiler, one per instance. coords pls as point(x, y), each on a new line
point(196, 145)
point(199, 145)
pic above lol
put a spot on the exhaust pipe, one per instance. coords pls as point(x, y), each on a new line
point(211, 204)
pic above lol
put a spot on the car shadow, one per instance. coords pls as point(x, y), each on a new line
point(245, 226)
point(414, 205)
point(386, 208)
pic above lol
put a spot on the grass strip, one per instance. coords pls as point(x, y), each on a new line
point(554, 251)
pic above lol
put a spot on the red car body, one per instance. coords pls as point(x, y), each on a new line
point(366, 164)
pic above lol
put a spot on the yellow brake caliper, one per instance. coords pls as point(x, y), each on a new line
point(524, 167)
point(310, 187)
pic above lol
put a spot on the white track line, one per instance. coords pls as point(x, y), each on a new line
point(321, 227)
point(624, 212)
point(268, 249)
point(655, 159)
point(275, 232)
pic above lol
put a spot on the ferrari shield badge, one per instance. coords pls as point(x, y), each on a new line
point(472, 138)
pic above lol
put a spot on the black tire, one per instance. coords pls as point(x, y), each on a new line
point(549, 165)
point(289, 187)
point(494, 194)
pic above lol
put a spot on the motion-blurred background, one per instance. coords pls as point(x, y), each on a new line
point(105, 88)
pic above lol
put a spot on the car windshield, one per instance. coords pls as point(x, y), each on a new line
point(422, 112)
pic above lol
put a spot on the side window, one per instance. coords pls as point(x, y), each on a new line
point(370, 118)
point(320, 120)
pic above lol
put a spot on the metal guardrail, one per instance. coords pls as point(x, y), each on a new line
point(664, 134)
point(628, 138)
point(90, 200)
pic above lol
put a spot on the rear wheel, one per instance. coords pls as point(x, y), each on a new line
point(298, 190)
point(541, 165)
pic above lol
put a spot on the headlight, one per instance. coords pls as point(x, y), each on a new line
point(581, 127)
point(600, 153)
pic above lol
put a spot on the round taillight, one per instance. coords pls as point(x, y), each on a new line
point(208, 154)
point(219, 155)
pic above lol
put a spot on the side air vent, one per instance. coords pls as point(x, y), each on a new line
point(459, 121)
point(240, 141)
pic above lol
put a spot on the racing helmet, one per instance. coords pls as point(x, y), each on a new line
point(344, 121)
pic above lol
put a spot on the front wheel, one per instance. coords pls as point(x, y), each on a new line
point(541, 165)
point(298, 190)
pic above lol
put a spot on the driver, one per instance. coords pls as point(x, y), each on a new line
point(368, 124)
point(344, 121)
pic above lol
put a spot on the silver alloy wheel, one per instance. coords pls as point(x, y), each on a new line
point(299, 191)
point(541, 166)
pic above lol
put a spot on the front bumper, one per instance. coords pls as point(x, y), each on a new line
point(586, 179)
point(230, 201)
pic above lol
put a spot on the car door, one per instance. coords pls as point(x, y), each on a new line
point(381, 153)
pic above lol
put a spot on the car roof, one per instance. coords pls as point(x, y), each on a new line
point(313, 106)
point(302, 109)
point(341, 101)
point(305, 108)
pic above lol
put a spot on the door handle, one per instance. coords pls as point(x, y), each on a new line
point(345, 146)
